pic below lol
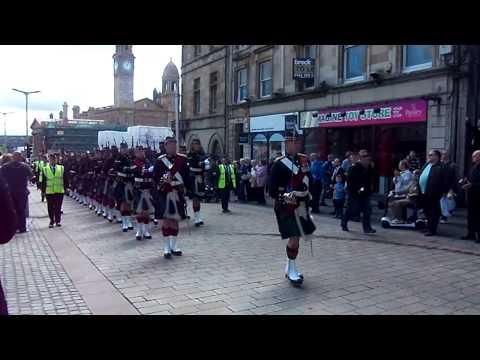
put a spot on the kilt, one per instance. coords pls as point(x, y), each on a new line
point(294, 223)
point(171, 205)
point(143, 201)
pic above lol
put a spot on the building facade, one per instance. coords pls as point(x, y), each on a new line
point(389, 99)
point(203, 97)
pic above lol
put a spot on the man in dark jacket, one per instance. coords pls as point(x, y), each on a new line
point(472, 186)
point(17, 174)
point(433, 185)
point(8, 226)
point(359, 189)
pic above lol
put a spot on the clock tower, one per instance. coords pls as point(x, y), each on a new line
point(123, 66)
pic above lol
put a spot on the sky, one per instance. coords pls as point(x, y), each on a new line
point(78, 74)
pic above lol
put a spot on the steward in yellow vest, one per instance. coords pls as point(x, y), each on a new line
point(226, 182)
point(54, 182)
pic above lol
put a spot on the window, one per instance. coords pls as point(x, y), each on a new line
point(242, 91)
point(266, 78)
point(213, 92)
point(196, 96)
point(417, 57)
point(354, 62)
point(197, 50)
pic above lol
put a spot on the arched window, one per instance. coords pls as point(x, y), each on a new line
point(260, 138)
point(260, 147)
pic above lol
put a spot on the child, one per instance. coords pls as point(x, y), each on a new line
point(339, 196)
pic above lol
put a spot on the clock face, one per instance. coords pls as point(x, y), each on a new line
point(115, 65)
point(127, 65)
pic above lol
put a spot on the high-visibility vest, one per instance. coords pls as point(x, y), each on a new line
point(54, 181)
point(221, 179)
point(39, 169)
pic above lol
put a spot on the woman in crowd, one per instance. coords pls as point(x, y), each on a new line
point(260, 181)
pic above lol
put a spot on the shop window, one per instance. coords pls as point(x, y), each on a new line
point(354, 62)
point(417, 57)
point(196, 96)
point(265, 78)
point(242, 91)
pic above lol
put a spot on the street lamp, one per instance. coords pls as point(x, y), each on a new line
point(177, 110)
point(5, 128)
point(26, 93)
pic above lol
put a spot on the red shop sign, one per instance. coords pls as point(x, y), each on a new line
point(399, 112)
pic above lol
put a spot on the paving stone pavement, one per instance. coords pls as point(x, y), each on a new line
point(34, 280)
point(234, 265)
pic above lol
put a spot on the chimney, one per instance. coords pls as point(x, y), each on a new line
point(65, 111)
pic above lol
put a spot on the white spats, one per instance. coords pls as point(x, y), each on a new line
point(128, 220)
point(292, 273)
point(140, 231)
point(166, 247)
point(197, 218)
point(124, 224)
point(173, 246)
point(146, 232)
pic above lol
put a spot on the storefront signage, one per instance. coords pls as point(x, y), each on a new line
point(399, 112)
point(267, 123)
point(303, 68)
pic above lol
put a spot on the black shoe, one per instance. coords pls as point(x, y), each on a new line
point(167, 256)
point(177, 253)
point(370, 231)
point(478, 240)
point(200, 223)
point(345, 228)
point(124, 230)
point(58, 224)
point(469, 237)
point(147, 237)
point(197, 224)
point(50, 226)
point(428, 233)
point(138, 238)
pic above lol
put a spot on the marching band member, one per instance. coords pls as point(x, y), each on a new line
point(171, 174)
point(196, 158)
point(290, 176)
point(124, 188)
point(143, 200)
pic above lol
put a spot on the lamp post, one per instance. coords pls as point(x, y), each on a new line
point(26, 93)
point(177, 125)
point(5, 128)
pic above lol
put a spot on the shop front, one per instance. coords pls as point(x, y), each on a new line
point(389, 130)
point(267, 134)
